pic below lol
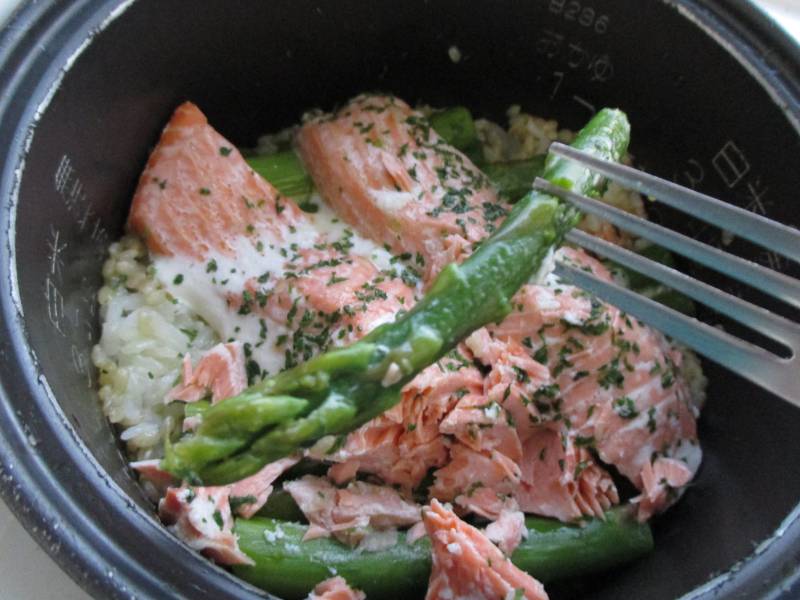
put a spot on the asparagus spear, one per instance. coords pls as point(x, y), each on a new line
point(289, 567)
point(456, 126)
point(285, 171)
point(346, 387)
point(513, 179)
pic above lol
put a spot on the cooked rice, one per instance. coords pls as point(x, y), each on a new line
point(145, 335)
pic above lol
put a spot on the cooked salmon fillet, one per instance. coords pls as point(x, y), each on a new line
point(389, 174)
point(249, 261)
point(197, 194)
point(467, 565)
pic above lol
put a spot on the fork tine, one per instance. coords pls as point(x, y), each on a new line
point(755, 317)
point(777, 284)
point(749, 361)
point(744, 223)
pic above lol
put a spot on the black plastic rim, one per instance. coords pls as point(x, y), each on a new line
point(45, 495)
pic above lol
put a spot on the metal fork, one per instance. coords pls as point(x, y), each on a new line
point(779, 375)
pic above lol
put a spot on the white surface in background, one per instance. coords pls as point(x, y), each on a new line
point(27, 573)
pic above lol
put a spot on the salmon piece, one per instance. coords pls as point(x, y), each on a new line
point(343, 293)
point(197, 193)
point(478, 481)
point(389, 174)
point(415, 532)
point(335, 588)
point(345, 513)
point(507, 531)
point(152, 472)
point(616, 383)
point(201, 517)
point(220, 371)
point(482, 425)
point(663, 478)
point(251, 493)
point(404, 443)
point(562, 480)
point(467, 565)
point(514, 379)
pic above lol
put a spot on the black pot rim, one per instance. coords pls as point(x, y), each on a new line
point(33, 488)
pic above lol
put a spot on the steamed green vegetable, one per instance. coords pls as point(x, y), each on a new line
point(456, 126)
point(289, 567)
point(285, 171)
point(514, 179)
point(336, 392)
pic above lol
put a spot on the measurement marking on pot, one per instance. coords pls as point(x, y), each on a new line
point(559, 76)
point(731, 164)
point(73, 318)
point(555, 46)
point(736, 173)
point(70, 187)
point(581, 13)
point(585, 103)
point(55, 304)
point(774, 261)
point(692, 178)
point(756, 196)
point(56, 249)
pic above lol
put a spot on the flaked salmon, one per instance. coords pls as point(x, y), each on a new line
point(467, 565)
point(507, 531)
point(404, 443)
point(248, 495)
point(346, 513)
point(563, 367)
point(335, 588)
point(389, 174)
point(220, 372)
point(202, 518)
point(561, 479)
point(617, 386)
